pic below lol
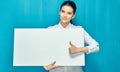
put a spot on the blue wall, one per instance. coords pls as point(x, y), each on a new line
point(101, 18)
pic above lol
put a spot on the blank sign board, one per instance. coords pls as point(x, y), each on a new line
point(40, 47)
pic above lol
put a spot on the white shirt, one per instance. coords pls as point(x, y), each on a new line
point(93, 46)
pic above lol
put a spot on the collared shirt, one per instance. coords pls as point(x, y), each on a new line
point(93, 46)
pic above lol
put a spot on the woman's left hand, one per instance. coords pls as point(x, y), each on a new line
point(73, 49)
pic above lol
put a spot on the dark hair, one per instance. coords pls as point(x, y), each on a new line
point(69, 3)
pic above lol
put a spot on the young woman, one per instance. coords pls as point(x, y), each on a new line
point(67, 13)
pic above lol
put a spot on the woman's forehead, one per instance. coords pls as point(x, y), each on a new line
point(67, 8)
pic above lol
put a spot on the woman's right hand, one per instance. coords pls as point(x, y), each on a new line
point(51, 66)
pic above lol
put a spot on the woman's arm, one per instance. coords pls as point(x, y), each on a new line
point(92, 45)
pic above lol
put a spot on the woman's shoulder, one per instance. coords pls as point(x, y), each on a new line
point(74, 26)
point(80, 27)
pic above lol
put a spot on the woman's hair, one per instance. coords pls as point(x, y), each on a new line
point(69, 3)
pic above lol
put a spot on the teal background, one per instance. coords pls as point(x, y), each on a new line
point(101, 19)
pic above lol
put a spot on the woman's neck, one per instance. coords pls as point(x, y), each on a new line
point(64, 25)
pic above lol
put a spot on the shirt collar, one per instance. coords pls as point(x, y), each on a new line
point(68, 26)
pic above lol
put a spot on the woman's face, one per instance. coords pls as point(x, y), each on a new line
point(66, 14)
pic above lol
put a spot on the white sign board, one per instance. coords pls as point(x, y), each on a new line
point(40, 47)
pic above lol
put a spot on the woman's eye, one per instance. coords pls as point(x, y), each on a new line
point(62, 11)
point(69, 13)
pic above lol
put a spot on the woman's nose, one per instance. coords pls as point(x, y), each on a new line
point(65, 14)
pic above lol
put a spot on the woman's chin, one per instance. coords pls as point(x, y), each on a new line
point(65, 22)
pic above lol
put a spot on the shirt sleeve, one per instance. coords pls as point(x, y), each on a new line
point(92, 45)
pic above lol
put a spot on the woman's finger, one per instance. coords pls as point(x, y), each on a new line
point(53, 63)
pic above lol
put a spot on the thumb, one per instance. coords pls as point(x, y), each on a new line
point(53, 63)
point(71, 43)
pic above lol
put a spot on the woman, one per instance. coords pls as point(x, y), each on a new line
point(67, 13)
